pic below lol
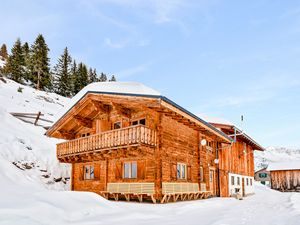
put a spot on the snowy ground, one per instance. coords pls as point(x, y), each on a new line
point(25, 146)
point(37, 206)
point(32, 181)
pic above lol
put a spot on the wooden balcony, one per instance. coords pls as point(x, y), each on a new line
point(113, 139)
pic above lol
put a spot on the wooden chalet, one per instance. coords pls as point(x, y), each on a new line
point(236, 162)
point(127, 141)
point(285, 176)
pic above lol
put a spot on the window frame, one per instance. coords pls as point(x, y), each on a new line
point(201, 174)
point(89, 172)
point(232, 180)
point(138, 121)
point(130, 170)
point(182, 175)
point(117, 122)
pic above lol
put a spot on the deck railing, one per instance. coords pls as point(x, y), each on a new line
point(127, 136)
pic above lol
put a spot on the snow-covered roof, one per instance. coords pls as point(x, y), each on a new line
point(130, 88)
point(288, 165)
point(127, 88)
point(216, 120)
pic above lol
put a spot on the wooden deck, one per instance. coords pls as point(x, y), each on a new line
point(129, 136)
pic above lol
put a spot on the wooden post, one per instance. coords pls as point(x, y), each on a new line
point(158, 161)
point(37, 118)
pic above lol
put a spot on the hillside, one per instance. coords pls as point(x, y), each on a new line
point(275, 154)
point(24, 148)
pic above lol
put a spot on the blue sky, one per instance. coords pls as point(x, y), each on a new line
point(213, 57)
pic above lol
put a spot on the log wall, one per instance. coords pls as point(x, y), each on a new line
point(236, 159)
point(285, 180)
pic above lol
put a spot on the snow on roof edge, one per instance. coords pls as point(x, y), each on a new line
point(128, 88)
point(287, 165)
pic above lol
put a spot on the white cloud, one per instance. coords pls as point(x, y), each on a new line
point(133, 70)
point(109, 43)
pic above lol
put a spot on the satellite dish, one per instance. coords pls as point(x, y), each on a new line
point(203, 142)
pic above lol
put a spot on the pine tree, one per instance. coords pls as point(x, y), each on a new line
point(73, 77)
point(113, 78)
point(39, 64)
point(81, 79)
point(62, 75)
point(102, 78)
point(26, 55)
point(14, 67)
point(92, 75)
point(3, 52)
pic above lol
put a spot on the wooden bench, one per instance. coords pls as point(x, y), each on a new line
point(184, 191)
point(129, 190)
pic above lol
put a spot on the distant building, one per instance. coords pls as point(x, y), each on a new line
point(285, 176)
point(263, 176)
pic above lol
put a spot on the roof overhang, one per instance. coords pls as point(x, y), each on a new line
point(162, 102)
point(240, 134)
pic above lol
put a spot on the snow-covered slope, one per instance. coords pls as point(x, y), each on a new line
point(24, 146)
point(275, 154)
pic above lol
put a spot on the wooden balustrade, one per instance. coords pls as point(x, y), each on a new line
point(127, 136)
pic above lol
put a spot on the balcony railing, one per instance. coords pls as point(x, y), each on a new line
point(129, 136)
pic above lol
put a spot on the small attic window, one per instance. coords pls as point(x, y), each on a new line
point(117, 125)
point(137, 122)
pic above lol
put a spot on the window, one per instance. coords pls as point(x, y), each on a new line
point(88, 172)
point(117, 125)
point(130, 170)
point(137, 122)
point(85, 135)
point(247, 181)
point(209, 145)
point(251, 182)
point(201, 174)
point(238, 181)
point(181, 171)
point(232, 180)
point(262, 175)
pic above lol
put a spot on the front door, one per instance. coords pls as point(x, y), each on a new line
point(243, 186)
point(212, 180)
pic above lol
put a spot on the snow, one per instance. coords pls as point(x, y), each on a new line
point(216, 120)
point(29, 195)
point(289, 165)
point(37, 206)
point(24, 145)
point(275, 154)
point(109, 87)
point(2, 63)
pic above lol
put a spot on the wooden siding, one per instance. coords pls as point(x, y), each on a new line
point(285, 180)
point(236, 159)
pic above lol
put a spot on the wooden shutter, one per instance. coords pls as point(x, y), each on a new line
point(97, 171)
point(173, 171)
point(81, 172)
point(189, 175)
point(118, 170)
point(141, 169)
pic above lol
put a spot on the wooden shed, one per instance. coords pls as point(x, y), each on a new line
point(285, 176)
point(127, 141)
